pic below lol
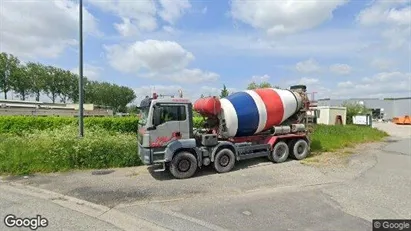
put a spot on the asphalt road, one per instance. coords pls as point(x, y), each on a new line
point(258, 195)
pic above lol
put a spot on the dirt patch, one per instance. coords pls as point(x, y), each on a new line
point(340, 158)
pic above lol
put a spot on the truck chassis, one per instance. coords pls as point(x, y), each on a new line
point(183, 157)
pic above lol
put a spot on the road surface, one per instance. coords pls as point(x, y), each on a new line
point(258, 195)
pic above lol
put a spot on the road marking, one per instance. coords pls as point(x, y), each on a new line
point(103, 213)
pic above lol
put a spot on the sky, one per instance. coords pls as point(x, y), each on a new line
point(338, 48)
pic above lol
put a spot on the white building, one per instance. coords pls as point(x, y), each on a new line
point(331, 115)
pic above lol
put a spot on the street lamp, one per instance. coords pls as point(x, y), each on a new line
point(81, 96)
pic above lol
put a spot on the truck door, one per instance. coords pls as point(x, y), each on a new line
point(170, 122)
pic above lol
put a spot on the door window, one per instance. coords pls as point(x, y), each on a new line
point(173, 113)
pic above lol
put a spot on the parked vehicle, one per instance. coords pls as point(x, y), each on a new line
point(247, 124)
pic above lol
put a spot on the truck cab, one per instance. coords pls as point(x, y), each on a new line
point(162, 121)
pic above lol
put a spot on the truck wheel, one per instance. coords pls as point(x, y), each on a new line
point(183, 165)
point(280, 152)
point(224, 160)
point(300, 149)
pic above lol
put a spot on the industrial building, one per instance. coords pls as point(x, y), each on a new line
point(385, 109)
point(34, 108)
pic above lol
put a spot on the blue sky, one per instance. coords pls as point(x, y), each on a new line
point(339, 49)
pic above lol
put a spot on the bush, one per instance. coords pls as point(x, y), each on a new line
point(60, 150)
point(24, 124)
point(198, 122)
point(326, 138)
point(354, 109)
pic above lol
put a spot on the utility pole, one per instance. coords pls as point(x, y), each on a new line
point(81, 96)
point(6, 78)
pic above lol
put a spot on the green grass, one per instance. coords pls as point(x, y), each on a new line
point(326, 138)
point(61, 150)
point(38, 144)
point(333, 144)
point(24, 124)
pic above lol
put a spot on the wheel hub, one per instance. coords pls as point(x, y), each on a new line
point(184, 165)
point(280, 151)
point(300, 149)
point(224, 160)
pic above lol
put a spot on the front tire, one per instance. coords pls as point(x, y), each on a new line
point(184, 165)
point(224, 160)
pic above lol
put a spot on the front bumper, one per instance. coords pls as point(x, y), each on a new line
point(145, 155)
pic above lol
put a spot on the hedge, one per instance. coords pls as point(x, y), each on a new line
point(20, 124)
point(61, 150)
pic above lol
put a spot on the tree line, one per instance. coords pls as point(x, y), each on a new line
point(34, 79)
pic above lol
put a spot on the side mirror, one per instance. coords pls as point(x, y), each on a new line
point(157, 116)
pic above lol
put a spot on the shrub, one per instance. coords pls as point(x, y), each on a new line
point(198, 122)
point(60, 149)
point(21, 124)
point(354, 109)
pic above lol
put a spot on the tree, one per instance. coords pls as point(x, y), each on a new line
point(8, 65)
point(224, 92)
point(254, 85)
point(354, 109)
point(265, 85)
point(20, 82)
point(68, 86)
point(52, 86)
point(36, 75)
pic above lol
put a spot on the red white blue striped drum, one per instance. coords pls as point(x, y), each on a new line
point(249, 112)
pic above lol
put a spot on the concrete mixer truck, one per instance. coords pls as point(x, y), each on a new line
point(248, 124)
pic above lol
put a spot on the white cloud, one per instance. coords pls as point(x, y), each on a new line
point(345, 84)
point(307, 81)
point(259, 79)
point(141, 16)
point(340, 69)
point(284, 17)
point(384, 84)
point(41, 28)
point(161, 59)
point(172, 10)
point(308, 66)
point(393, 18)
point(90, 71)
point(382, 63)
point(185, 76)
point(386, 12)
point(136, 16)
point(151, 55)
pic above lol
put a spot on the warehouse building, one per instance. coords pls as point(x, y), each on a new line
point(385, 109)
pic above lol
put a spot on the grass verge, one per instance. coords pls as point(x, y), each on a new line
point(332, 144)
point(61, 150)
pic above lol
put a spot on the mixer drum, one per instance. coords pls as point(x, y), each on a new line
point(252, 111)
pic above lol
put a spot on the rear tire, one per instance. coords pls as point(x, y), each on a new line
point(280, 152)
point(183, 165)
point(300, 149)
point(224, 160)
